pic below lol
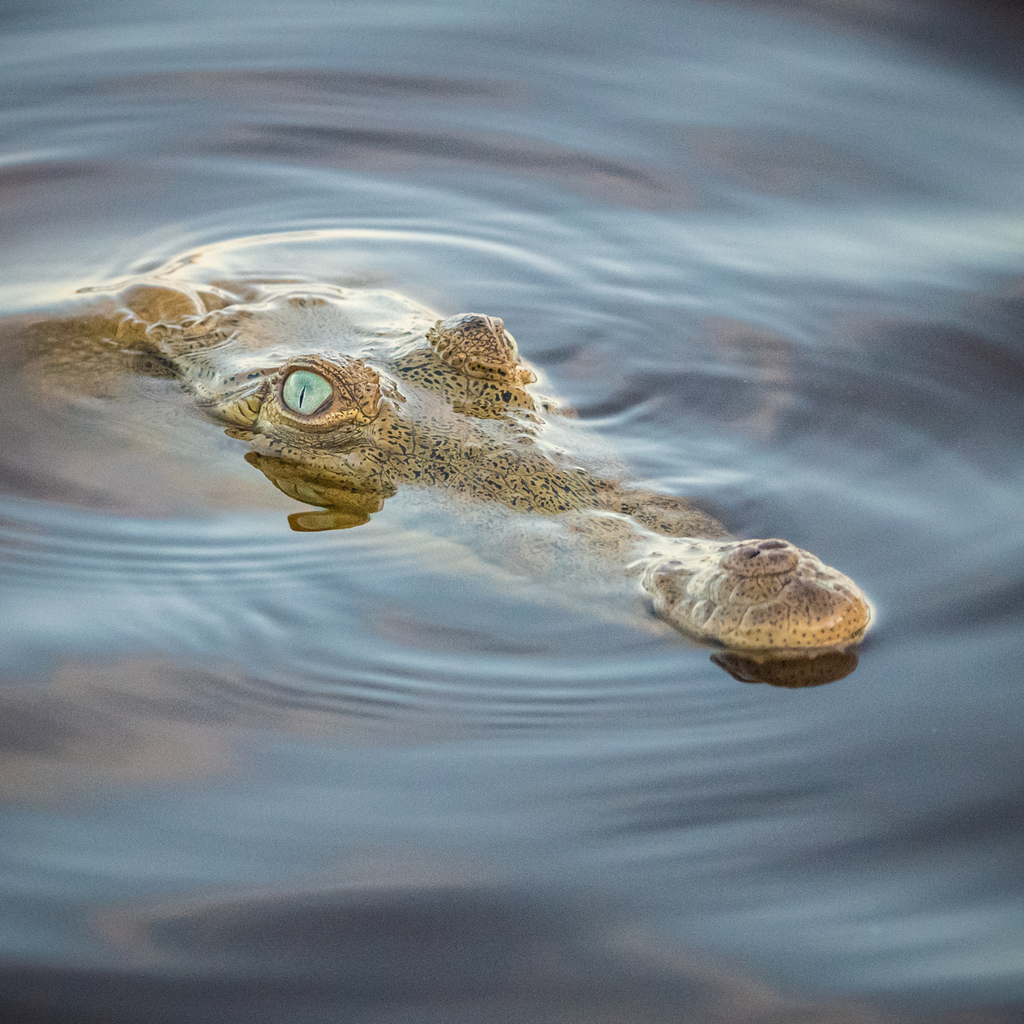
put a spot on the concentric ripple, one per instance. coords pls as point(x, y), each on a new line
point(320, 622)
point(773, 256)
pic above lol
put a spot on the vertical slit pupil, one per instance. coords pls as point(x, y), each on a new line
point(305, 391)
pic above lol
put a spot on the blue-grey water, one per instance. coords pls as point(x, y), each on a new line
point(775, 257)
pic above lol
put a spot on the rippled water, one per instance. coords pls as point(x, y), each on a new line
point(775, 257)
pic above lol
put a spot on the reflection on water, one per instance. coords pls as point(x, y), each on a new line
point(774, 258)
point(792, 672)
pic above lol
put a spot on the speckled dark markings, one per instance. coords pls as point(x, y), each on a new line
point(471, 396)
point(479, 347)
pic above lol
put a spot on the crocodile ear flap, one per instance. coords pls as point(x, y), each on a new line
point(358, 392)
point(358, 395)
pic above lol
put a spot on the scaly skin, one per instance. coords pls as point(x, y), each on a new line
point(759, 594)
point(345, 396)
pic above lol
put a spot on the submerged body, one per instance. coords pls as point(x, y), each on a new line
point(345, 396)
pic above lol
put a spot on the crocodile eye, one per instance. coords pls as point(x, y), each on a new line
point(304, 392)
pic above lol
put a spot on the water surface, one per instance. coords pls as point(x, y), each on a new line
point(776, 260)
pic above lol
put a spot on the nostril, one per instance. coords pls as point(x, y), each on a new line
point(752, 558)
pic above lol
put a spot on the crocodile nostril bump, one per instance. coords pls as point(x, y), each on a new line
point(771, 545)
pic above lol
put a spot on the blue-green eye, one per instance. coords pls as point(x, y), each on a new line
point(305, 392)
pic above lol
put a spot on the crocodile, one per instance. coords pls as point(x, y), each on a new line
point(346, 395)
